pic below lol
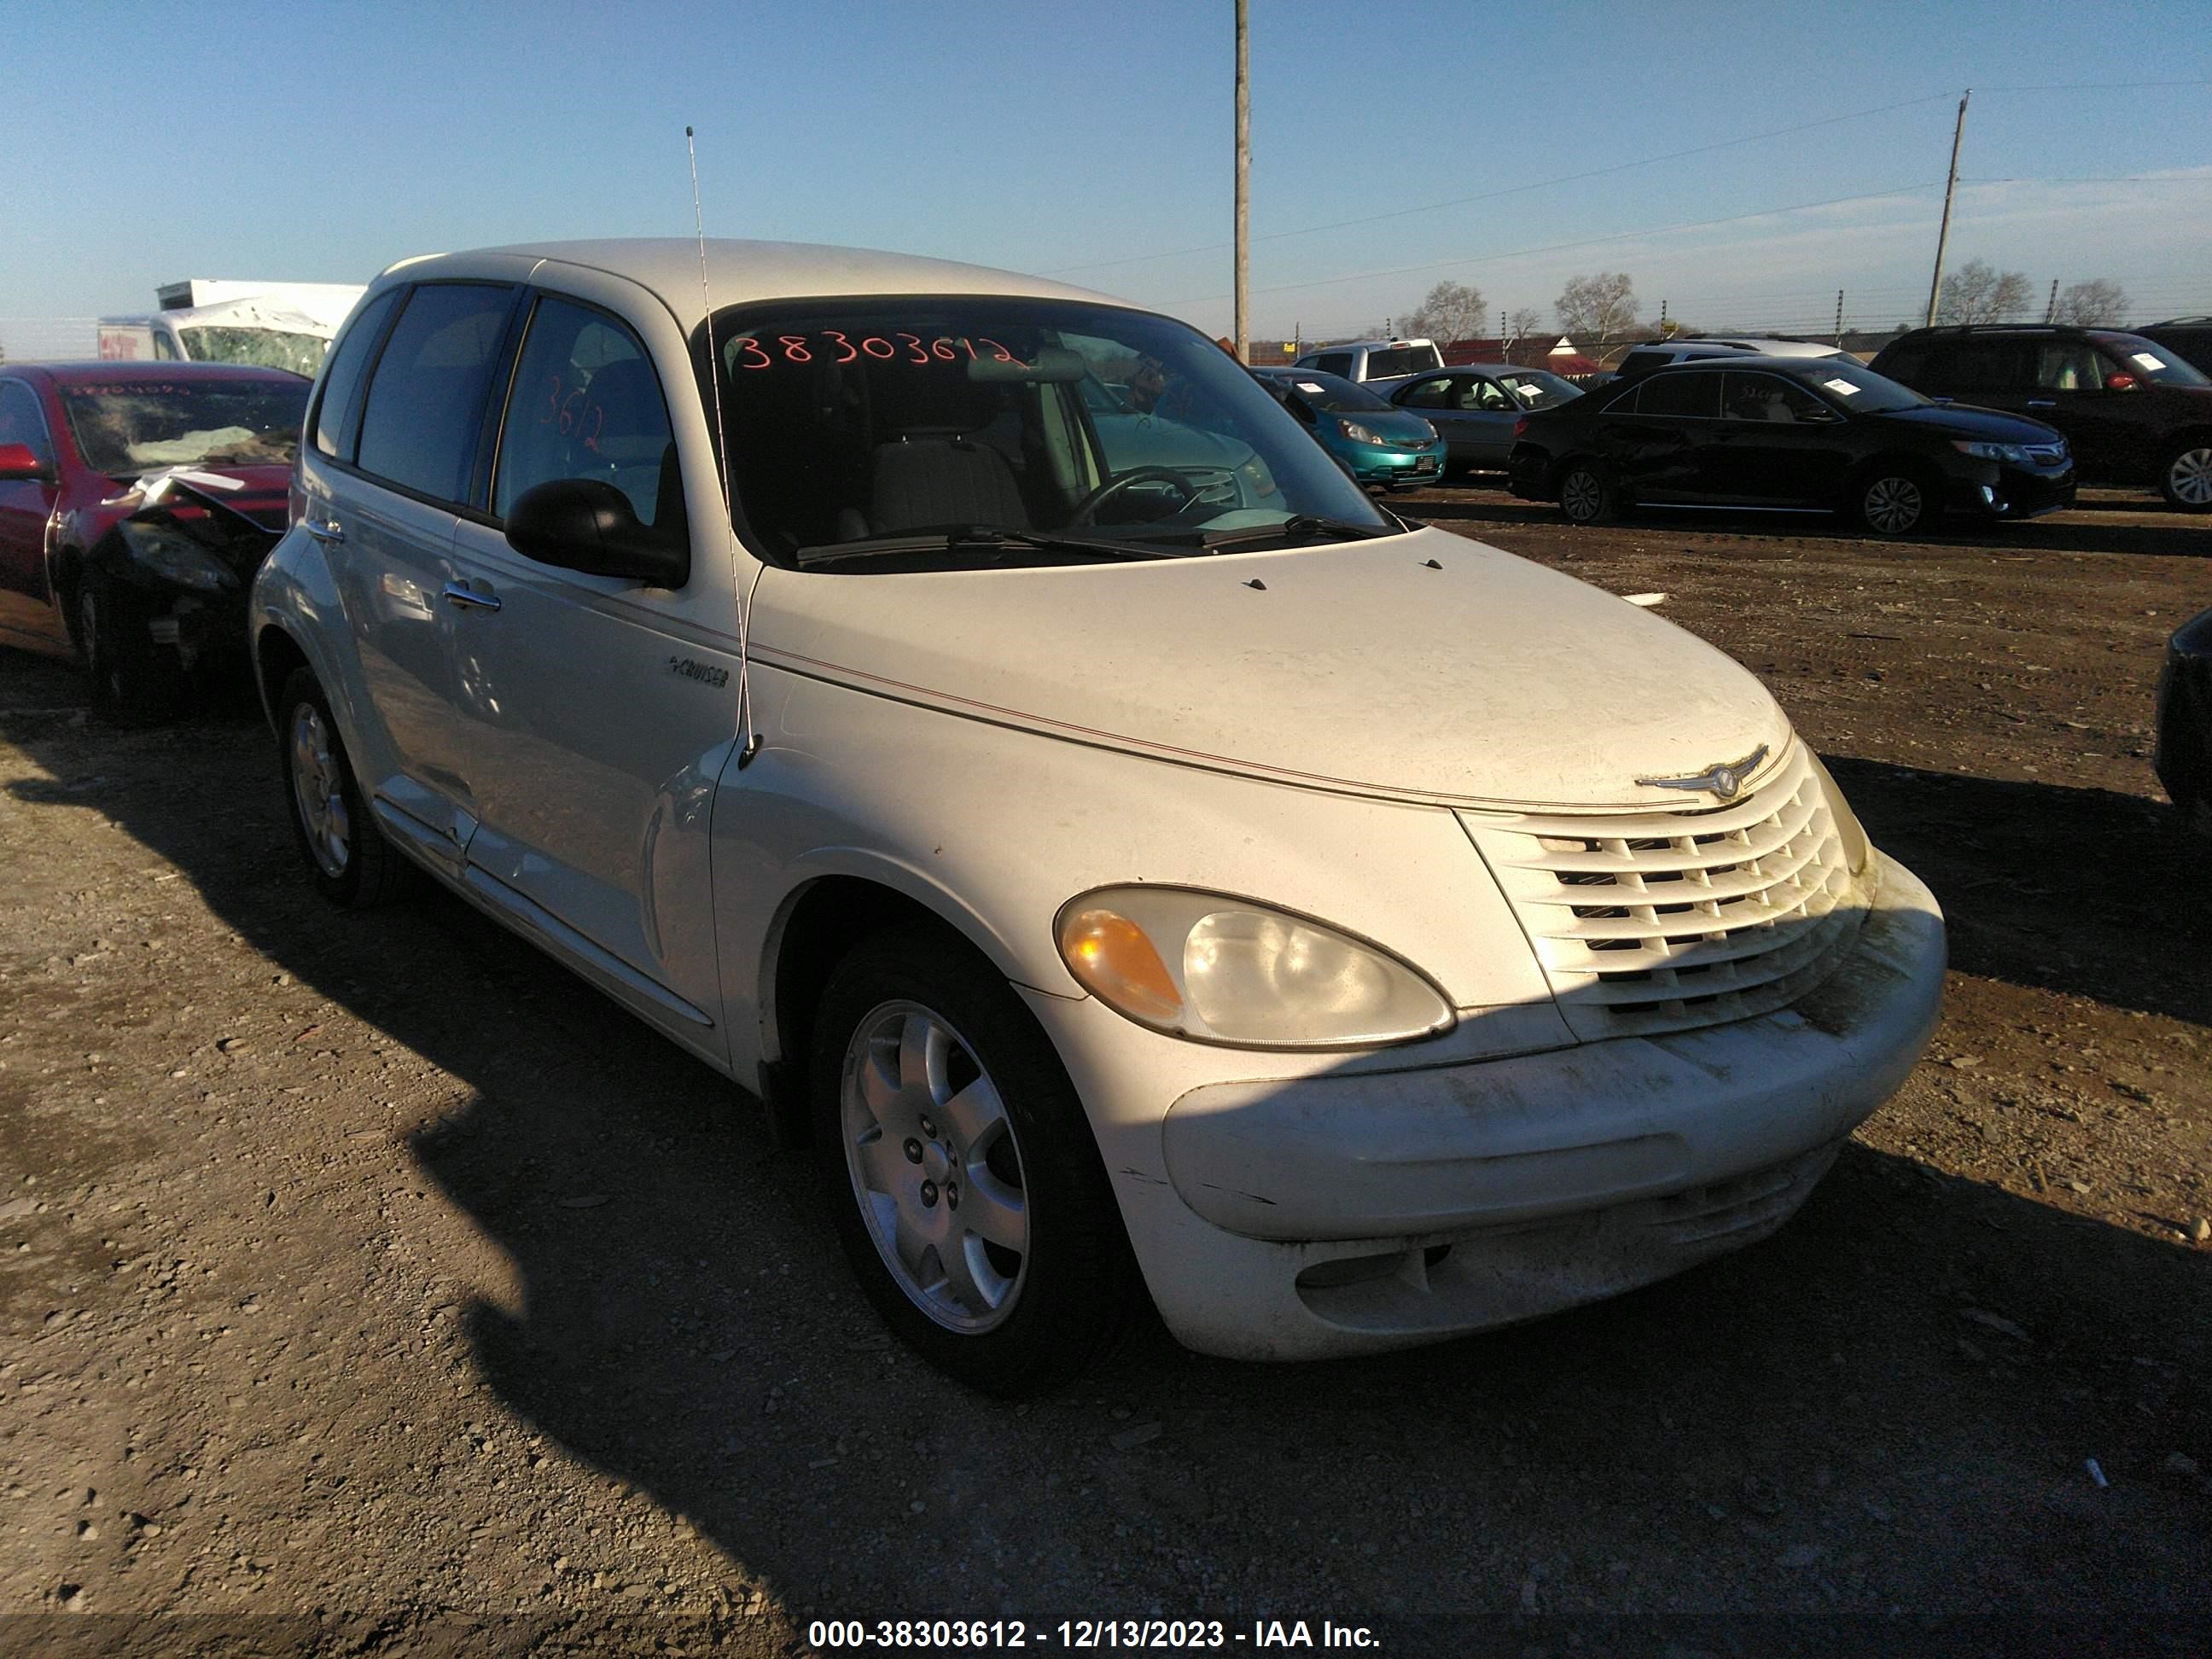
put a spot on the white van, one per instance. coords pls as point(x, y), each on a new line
point(1167, 876)
point(1374, 360)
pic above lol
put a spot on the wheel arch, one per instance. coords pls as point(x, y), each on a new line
point(819, 921)
point(276, 655)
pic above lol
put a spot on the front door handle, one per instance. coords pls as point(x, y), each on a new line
point(2043, 402)
point(469, 599)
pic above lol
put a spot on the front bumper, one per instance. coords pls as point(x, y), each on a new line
point(2012, 492)
point(1355, 1210)
point(1395, 469)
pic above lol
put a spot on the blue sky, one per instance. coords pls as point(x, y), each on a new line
point(318, 143)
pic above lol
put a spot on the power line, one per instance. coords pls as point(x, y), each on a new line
point(1561, 248)
point(2113, 178)
point(1511, 190)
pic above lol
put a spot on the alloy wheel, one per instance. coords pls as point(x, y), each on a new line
point(318, 794)
point(1582, 497)
point(934, 1167)
point(2190, 477)
point(1894, 505)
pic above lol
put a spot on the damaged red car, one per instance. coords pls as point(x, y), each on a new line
point(136, 503)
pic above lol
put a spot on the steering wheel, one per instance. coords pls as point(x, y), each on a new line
point(1086, 511)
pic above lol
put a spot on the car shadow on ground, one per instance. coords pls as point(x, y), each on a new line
point(2178, 535)
point(1800, 1425)
point(2087, 891)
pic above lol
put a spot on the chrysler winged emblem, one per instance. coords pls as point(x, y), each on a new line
point(1724, 780)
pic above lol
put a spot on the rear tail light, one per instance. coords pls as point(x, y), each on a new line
point(1521, 427)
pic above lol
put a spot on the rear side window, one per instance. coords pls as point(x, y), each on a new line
point(1695, 396)
point(1427, 394)
point(21, 422)
point(1333, 362)
point(349, 362)
point(1636, 361)
point(1988, 365)
point(425, 411)
point(1908, 363)
point(586, 404)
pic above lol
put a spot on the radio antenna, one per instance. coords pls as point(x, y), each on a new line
point(750, 740)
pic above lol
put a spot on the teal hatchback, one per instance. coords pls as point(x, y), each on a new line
point(1382, 445)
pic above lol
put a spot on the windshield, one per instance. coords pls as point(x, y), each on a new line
point(1859, 389)
point(257, 348)
point(2151, 361)
point(1402, 359)
point(859, 422)
point(1533, 389)
point(128, 427)
point(1329, 392)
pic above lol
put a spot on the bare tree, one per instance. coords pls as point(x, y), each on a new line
point(2087, 304)
point(1975, 293)
point(1453, 311)
point(1520, 325)
point(1597, 306)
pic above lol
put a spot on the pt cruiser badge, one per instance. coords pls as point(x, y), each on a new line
point(1724, 780)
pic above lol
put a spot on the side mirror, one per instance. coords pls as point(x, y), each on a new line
point(19, 465)
point(2121, 380)
point(587, 525)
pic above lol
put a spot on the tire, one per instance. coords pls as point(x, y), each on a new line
point(1012, 1273)
point(2186, 476)
point(1891, 501)
point(134, 680)
point(1586, 495)
point(347, 856)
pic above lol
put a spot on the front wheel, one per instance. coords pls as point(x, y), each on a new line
point(2185, 480)
point(967, 1189)
point(1586, 495)
point(133, 679)
point(1893, 503)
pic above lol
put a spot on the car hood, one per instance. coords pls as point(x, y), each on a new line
point(1422, 666)
point(1993, 426)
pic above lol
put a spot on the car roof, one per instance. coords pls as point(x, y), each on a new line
point(739, 272)
point(1757, 359)
point(1765, 344)
point(110, 371)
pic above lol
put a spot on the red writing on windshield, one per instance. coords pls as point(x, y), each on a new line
point(836, 346)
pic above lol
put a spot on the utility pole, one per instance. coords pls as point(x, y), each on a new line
point(1839, 320)
point(1943, 234)
point(2051, 311)
point(1243, 180)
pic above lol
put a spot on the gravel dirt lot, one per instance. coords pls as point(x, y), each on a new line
point(368, 1284)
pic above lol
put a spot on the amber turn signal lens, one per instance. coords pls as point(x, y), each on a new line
point(1114, 960)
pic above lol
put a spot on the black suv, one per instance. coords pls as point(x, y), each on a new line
point(2134, 411)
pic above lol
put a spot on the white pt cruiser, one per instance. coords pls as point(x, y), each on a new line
point(1133, 860)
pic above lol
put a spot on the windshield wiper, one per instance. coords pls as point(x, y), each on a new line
point(1300, 525)
point(978, 538)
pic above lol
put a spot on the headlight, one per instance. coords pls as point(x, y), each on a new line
point(1858, 851)
point(1358, 433)
point(176, 557)
point(1215, 969)
point(2011, 453)
point(1428, 434)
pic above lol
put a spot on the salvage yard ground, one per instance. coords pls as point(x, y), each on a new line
point(374, 1273)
